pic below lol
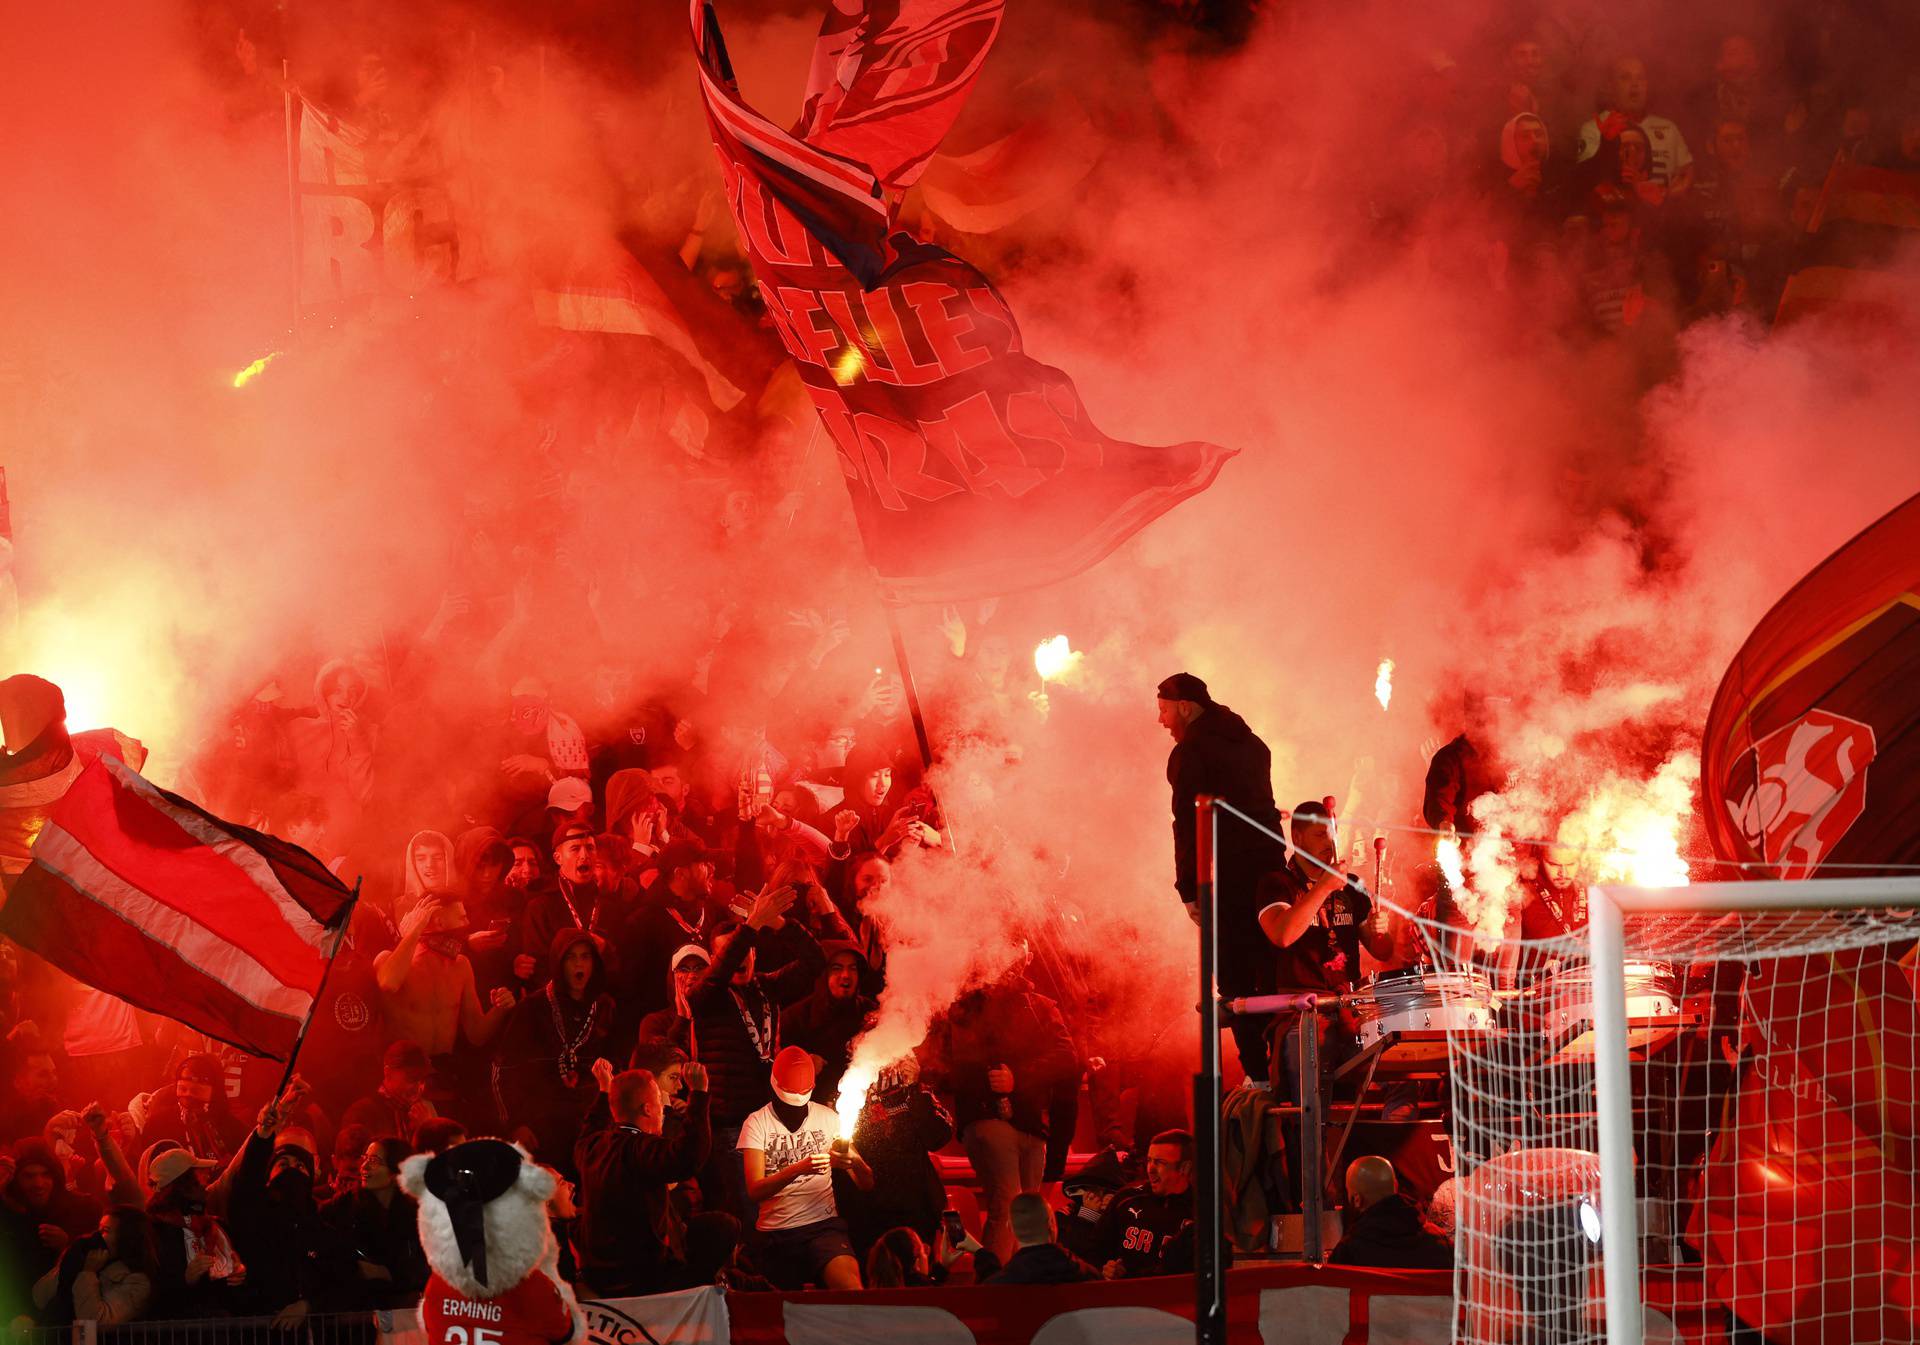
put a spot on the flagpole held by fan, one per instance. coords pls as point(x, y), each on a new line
point(339, 937)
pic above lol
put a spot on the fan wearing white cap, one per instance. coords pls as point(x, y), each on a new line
point(790, 1150)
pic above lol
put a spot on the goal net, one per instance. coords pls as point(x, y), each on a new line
point(1699, 1123)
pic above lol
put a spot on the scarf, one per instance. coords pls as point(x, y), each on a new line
point(566, 889)
point(569, 1057)
point(682, 1007)
point(694, 931)
point(205, 1237)
point(758, 770)
point(447, 943)
point(566, 744)
point(197, 1130)
point(764, 1033)
point(1560, 913)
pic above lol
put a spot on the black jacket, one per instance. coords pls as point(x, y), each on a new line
point(629, 1236)
point(1009, 1025)
point(289, 1251)
point(387, 1235)
point(553, 907)
point(173, 1298)
point(1048, 1263)
point(1391, 1236)
point(897, 1134)
point(824, 1026)
point(1220, 755)
point(736, 1068)
point(527, 1077)
point(1456, 776)
point(1147, 1234)
point(658, 929)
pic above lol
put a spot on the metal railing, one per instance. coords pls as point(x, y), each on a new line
point(330, 1328)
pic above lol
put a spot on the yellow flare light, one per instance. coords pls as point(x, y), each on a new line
point(849, 366)
point(1383, 683)
point(1055, 659)
point(853, 1097)
point(1446, 851)
point(254, 370)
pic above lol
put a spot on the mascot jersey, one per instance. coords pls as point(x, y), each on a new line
point(484, 1228)
point(530, 1313)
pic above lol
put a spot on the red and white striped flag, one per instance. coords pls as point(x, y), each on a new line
point(141, 894)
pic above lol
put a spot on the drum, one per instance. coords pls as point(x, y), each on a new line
point(1420, 1001)
point(1565, 999)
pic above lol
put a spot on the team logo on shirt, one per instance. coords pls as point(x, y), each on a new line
point(351, 1012)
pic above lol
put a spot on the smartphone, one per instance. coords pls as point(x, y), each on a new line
point(956, 1231)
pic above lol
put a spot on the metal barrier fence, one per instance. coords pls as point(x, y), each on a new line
point(80, 1333)
point(336, 1328)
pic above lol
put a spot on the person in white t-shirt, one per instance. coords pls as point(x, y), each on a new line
point(1626, 102)
point(790, 1150)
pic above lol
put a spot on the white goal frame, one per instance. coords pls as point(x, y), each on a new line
point(1607, 907)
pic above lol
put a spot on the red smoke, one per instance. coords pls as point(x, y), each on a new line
point(1432, 469)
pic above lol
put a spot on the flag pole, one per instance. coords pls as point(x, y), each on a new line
point(339, 937)
point(293, 193)
point(906, 677)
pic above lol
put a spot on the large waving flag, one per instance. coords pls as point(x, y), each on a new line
point(974, 468)
point(888, 79)
point(614, 294)
point(1811, 767)
point(1812, 748)
point(139, 893)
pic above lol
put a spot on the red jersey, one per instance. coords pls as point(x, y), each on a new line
point(533, 1312)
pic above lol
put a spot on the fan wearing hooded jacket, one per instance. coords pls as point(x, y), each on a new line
point(543, 1065)
point(1216, 753)
point(333, 748)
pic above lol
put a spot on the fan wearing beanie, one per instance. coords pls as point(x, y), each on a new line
point(790, 1150)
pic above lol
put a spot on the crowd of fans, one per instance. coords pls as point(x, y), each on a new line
point(628, 927)
point(1619, 180)
point(644, 958)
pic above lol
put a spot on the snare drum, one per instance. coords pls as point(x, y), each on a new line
point(1565, 999)
point(1425, 1001)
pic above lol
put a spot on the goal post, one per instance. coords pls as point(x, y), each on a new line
point(1870, 908)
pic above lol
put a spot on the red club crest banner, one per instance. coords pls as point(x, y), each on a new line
point(974, 468)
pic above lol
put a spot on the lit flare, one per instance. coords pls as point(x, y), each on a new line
point(1056, 660)
point(1631, 828)
point(1383, 683)
point(853, 1097)
point(254, 370)
point(1446, 852)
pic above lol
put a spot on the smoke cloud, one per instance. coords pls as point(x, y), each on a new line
point(1268, 245)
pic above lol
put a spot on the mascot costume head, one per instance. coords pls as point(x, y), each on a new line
point(483, 1223)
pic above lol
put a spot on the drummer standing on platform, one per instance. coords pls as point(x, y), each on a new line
point(1214, 752)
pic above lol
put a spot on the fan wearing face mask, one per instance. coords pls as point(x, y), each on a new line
point(276, 1222)
point(790, 1150)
